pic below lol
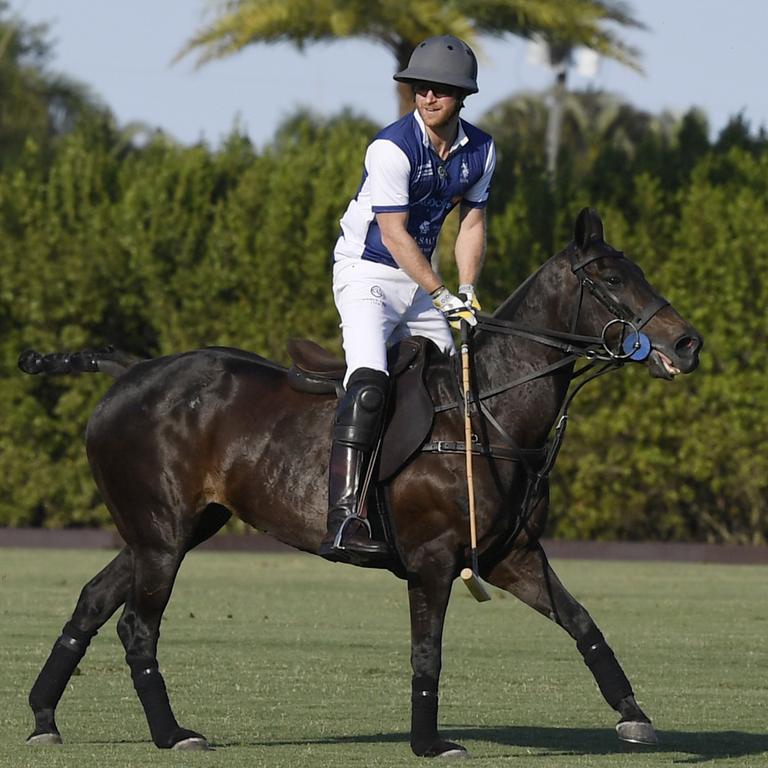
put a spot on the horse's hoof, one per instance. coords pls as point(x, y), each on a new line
point(193, 744)
point(446, 749)
point(456, 752)
point(637, 732)
point(44, 740)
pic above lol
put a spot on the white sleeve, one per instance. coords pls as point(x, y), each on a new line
point(477, 194)
point(389, 172)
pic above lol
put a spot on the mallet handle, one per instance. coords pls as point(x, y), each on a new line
point(468, 447)
point(469, 575)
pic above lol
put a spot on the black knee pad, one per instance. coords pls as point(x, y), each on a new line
point(360, 411)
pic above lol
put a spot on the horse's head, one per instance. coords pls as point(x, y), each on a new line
point(618, 303)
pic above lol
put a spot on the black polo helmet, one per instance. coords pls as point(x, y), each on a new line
point(445, 60)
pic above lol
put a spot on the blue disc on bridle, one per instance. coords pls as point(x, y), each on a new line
point(637, 346)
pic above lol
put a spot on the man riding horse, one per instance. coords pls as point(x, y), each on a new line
point(416, 171)
point(176, 448)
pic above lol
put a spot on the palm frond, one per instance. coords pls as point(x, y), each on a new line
point(401, 24)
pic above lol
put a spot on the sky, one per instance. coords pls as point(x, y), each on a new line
point(705, 53)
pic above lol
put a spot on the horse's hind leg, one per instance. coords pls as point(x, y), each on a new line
point(154, 573)
point(99, 599)
point(529, 576)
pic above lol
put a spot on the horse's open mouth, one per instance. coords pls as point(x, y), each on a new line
point(661, 366)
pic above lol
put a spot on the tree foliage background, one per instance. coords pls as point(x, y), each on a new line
point(159, 248)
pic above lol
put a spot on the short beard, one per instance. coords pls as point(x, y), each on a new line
point(459, 106)
point(454, 114)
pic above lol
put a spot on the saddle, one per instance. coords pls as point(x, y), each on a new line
point(410, 411)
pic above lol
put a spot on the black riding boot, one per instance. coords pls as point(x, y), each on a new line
point(355, 431)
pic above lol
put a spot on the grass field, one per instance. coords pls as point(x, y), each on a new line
point(284, 660)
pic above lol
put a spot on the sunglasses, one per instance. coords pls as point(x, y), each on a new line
point(440, 91)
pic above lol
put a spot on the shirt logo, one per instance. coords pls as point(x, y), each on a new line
point(464, 171)
point(376, 291)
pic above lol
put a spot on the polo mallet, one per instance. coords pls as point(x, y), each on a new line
point(469, 575)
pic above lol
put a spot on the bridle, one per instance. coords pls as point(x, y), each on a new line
point(623, 314)
point(635, 346)
point(572, 345)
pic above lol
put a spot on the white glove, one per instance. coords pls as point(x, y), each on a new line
point(452, 307)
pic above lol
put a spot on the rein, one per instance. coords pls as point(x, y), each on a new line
point(571, 344)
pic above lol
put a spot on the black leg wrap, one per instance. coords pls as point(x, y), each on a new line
point(150, 687)
point(424, 703)
point(608, 674)
point(65, 655)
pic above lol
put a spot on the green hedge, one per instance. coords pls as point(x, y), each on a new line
point(166, 248)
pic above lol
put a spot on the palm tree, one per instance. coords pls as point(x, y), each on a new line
point(591, 120)
point(36, 105)
point(604, 141)
point(401, 24)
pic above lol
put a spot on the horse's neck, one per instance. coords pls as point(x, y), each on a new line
point(543, 302)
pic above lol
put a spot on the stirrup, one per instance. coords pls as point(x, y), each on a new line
point(340, 533)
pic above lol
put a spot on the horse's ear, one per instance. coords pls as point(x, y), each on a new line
point(589, 228)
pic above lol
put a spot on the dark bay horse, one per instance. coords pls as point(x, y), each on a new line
point(180, 443)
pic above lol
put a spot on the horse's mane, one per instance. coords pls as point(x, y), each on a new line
point(510, 305)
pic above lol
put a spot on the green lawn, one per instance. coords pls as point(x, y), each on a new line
point(284, 660)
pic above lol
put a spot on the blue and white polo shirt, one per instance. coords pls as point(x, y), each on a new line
point(404, 173)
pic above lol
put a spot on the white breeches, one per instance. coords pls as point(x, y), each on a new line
point(378, 306)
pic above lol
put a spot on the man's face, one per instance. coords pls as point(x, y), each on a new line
point(437, 104)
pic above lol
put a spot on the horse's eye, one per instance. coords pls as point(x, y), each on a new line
point(613, 280)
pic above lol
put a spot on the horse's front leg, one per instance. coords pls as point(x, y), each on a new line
point(528, 575)
point(428, 593)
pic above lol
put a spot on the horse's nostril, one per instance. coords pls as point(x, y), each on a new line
point(687, 345)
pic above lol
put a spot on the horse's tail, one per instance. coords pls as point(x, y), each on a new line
point(111, 361)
